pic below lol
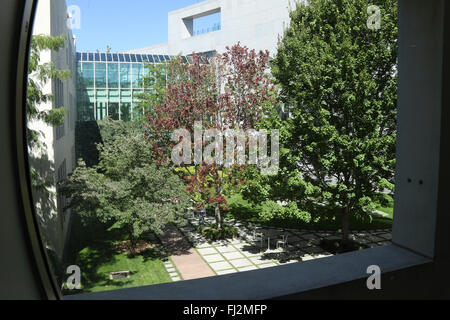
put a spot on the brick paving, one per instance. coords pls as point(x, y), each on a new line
point(187, 261)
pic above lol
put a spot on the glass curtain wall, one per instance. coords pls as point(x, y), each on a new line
point(109, 84)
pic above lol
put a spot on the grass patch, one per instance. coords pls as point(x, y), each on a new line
point(98, 256)
point(389, 211)
point(243, 210)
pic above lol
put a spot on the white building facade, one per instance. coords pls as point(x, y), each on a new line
point(256, 24)
point(57, 159)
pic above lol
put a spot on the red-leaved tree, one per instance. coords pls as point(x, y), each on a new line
point(225, 93)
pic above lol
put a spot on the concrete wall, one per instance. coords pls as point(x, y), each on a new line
point(255, 23)
point(51, 19)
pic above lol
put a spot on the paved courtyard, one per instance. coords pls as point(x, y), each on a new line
point(247, 253)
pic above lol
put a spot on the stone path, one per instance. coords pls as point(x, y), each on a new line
point(185, 261)
point(172, 271)
point(240, 255)
point(194, 257)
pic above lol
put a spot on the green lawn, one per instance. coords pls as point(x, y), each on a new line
point(243, 210)
point(91, 248)
point(389, 211)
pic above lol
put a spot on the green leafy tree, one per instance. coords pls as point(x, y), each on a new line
point(340, 79)
point(39, 74)
point(155, 84)
point(228, 92)
point(127, 188)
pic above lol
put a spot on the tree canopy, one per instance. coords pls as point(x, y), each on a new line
point(228, 92)
point(339, 78)
point(128, 188)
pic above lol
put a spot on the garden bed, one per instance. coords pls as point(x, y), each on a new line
point(338, 246)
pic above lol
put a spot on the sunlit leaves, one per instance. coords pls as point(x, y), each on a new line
point(128, 188)
point(230, 92)
point(340, 78)
point(39, 74)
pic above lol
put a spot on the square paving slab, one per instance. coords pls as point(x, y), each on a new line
point(250, 268)
point(213, 258)
point(261, 260)
point(233, 255)
point(219, 266)
point(223, 272)
point(207, 251)
point(225, 249)
point(241, 263)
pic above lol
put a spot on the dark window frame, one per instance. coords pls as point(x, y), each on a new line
point(421, 23)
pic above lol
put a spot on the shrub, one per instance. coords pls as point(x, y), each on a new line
point(385, 200)
point(273, 211)
point(211, 233)
point(293, 212)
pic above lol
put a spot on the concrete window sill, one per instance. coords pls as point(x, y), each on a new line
point(274, 282)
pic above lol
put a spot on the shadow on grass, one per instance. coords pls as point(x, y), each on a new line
point(96, 256)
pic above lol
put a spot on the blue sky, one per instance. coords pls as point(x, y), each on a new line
point(124, 24)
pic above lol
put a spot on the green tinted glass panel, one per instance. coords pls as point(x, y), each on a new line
point(100, 75)
point(125, 95)
point(91, 96)
point(88, 74)
point(102, 100)
point(125, 75)
point(79, 76)
point(85, 109)
point(137, 71)
point(125, 105)
point(114, 96)
point(113, 75)
point(114, 110)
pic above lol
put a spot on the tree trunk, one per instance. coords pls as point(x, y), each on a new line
point(133, 242)
point(345, 224)
point(218, 217)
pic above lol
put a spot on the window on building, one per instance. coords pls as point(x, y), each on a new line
point(59, 103)
point(125, 75)
point(137, 75)
point(207, 22)
point(113, 75)
point(61, 176)
point(87, 74)
point(101, 101)
point(72, 111)
point(100, 75)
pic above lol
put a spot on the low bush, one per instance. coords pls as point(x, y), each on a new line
point(385, 200)
point(210, 232)
point(271, 210)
